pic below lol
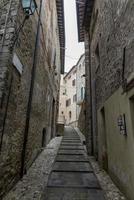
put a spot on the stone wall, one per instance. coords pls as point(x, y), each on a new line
point(112, 67)
point(15, 87)
point(88, 119)
point(110, 34)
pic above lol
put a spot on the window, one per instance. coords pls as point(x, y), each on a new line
point(64, 92)
point(62, 112)
point(132, 110)
point(70, 114)
point(68, 102)
point(73, 82)
point(80, 67)
point(97, 52)
point(74, 98)
point(82, 93)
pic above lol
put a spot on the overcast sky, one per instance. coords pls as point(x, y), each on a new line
point(73, 48)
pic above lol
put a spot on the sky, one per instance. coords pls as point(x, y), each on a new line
point(73, 48)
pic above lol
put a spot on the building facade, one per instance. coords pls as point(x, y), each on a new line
point(31, 60)
point(70, 92)
point(72, 95)
point(109, 42)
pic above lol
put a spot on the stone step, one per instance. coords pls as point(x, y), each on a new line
point(71, 152)
point(73, 180)
point(71, 147)
point(71, 141)
point(72, 166)
point(73, 194)
point(76, 158)
point(71, 144)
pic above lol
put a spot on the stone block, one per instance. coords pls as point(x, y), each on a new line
point(73, 180)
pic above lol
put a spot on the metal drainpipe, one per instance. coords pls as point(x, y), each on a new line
point(28, 113)
point(124, 81)
point(91, 110)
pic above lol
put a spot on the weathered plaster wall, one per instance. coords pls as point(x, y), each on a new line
point(120, 148)
point(70, 92)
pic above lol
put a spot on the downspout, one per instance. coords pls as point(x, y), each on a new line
point(124, 81)
point(91, 110)
point(29, 106)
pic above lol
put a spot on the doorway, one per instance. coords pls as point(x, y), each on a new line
point(103, 138)
point(43, 137)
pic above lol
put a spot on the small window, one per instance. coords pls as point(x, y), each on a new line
point(73, 82)
point(132, 111)
point(97, 52)
point(62, 112)
point(64, 93)
point(80, 67)
point(68, 102)
point(70, 114)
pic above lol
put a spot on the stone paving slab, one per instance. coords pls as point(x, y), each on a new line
point(73, 179)
point(71, 152)
point(77, 140)
point(72, 141)
point(76, 158)
point(70, 144)
point(73, 194)
point(71, 137)
point(71, 147)
point(72, 166)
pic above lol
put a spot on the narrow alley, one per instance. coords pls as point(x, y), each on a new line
point(66, 99)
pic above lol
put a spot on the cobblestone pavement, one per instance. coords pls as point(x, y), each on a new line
point(32, 185)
